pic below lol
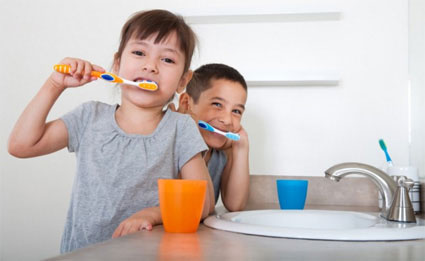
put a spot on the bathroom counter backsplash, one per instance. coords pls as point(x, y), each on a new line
point(322, 192)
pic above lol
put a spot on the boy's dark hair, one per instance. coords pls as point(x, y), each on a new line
point(201, 80)
point(146, 23)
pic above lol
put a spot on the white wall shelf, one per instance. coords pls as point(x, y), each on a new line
point(264, 18)
point(294, 82)
point(293, 78)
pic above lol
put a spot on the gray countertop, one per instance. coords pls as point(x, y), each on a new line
point(211, 244)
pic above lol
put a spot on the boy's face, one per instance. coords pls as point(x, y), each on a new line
point(222, 106)
point(146, 60)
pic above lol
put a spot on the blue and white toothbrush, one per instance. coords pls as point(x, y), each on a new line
point(208, 127)
point(387, 156)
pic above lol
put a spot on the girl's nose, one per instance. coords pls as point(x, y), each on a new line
point(150, 66)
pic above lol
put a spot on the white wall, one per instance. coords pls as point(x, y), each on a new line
point(293, 130)
point(305, 130)
point(417, 81)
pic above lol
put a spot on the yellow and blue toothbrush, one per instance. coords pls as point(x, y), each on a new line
point(110, 77)
point(208, 127)
point(387, 156)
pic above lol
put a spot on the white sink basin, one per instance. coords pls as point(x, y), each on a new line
point(317, 224)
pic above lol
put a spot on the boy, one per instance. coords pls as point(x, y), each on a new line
point(217, 95)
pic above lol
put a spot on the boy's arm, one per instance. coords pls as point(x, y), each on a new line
point(235, 176)
point(32, 136)
point(195, 168)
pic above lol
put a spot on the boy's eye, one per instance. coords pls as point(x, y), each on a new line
point(237, 111)
point(216, 104)
point(168, 60)
point(139, 53)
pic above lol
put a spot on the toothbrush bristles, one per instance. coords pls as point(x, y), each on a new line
point(150, 86)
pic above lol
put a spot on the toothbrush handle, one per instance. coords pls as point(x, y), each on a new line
point(64, 68)
point(387, 156)
point(110, 77)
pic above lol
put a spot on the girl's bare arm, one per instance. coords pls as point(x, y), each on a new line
point(32, 136)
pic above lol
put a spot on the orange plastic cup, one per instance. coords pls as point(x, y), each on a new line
point(181, 202)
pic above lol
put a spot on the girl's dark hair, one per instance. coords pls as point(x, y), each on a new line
point(161, 22)
point(201, 80)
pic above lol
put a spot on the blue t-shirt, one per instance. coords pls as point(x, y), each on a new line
point(117, 172)
point(216, 166)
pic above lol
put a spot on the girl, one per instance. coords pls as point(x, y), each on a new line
point(121, 149)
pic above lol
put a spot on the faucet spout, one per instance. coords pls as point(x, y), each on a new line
point(386, 185)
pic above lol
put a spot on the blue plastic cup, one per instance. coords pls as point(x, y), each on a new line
point(292, 193)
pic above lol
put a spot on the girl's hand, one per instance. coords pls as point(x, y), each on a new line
point(144, 219)
point(80, 73)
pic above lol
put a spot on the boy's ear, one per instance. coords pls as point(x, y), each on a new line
point(187, 76)
point(184, 103)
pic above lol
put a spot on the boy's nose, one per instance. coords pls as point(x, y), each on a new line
point(226, 118)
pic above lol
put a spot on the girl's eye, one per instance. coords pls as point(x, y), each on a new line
point(139, 53)
point(168, 60)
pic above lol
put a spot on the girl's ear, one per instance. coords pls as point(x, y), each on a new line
point(187, 76)
point(184, 103)
point(116, 66)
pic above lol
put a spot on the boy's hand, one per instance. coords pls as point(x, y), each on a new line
point(80, 73)
point(144, 219)
point(241, 143)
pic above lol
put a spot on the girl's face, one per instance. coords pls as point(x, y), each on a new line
point(221, 106)
point(160, 62)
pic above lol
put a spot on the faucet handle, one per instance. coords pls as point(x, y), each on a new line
point(401, 209)
point(405, 182)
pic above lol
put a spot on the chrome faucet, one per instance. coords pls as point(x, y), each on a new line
point(392, 205)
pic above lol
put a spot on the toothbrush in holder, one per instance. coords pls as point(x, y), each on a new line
point(110, 77)
point(384, 148)
point(208, 127)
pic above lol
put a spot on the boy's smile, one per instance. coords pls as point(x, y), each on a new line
point(221, 106)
